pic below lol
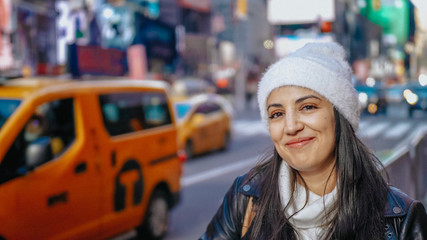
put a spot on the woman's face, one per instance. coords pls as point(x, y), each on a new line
point(302, 128)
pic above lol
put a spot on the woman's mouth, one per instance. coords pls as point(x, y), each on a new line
point(299, 142)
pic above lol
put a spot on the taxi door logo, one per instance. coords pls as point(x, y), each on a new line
point(124, 183)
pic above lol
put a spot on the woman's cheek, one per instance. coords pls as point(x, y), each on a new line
point(275, 130)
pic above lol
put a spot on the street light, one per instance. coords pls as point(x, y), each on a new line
point(422, 79)
point(268, 44)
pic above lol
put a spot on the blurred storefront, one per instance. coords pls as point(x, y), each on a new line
point(130, 35)
point(418, 50)
point(159, 40)
point(6, 57)
point(373, 32)
point(183, 37)
point(28, 37)
point(243, 47)
point(195, 33)
point(394, 18)
point(54, 37)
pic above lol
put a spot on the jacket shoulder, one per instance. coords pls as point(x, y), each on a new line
point(398, 203)
point(248, 185)
point(407, 217)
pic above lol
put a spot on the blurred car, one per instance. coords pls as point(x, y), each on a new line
point(394, 94)
point(416, 97)
point(190, 86)
point(204, 123)
point(87, 159)
point(372, 99)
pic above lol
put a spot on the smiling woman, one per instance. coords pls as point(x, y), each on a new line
point(320, 181)
point(302, 130)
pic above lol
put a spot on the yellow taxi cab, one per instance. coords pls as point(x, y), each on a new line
point(87, 159)
point(204, 123)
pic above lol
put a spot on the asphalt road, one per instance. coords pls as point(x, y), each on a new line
point(205, 182)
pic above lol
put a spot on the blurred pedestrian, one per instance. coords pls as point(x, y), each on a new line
point(35, 128)
point(321, 181)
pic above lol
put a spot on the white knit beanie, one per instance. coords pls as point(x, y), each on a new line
point(321, 67)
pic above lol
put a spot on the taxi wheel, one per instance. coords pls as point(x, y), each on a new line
point(156, 221)
point(189, 149)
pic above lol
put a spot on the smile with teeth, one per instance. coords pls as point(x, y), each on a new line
point(299, 142)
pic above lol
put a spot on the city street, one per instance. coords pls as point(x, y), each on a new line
point(207, 178)
point(127, 119)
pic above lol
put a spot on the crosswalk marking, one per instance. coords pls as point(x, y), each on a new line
point(399, 130)
point(363, 124)
point(368, 128)
point(374, 129)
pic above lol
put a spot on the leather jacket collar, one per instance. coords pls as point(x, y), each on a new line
point(397, 204)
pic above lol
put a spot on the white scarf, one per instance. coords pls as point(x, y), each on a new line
point(308, 221)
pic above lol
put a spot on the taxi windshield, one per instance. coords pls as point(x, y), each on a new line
point(182, 109)
point(7, 107)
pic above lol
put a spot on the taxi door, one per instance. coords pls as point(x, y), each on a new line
point(210, 131)
point(201, 124)
point(216, 126)
point(139, 137)
point(57, 185)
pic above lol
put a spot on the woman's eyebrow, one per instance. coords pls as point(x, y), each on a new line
point(306, 97)
point(274, 105)
point(297, 101)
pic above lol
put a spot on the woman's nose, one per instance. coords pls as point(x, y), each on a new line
point(292, 124)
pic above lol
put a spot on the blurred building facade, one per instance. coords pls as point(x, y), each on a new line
point(54, 37)
point(418, 50)
point(225, 41)
point(28, 36)
point(374, 32)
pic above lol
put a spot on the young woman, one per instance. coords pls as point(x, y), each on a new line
point(321, 181)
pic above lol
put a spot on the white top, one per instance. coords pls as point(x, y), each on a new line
point(308, 221)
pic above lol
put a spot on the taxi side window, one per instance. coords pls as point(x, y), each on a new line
point(207, 108)
point(46, 135)
point(215, 108)
point(131, 111)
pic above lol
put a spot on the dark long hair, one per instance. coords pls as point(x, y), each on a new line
point(358, 212)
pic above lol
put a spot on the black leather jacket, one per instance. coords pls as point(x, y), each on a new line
point(405, 217)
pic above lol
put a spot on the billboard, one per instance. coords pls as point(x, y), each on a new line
point(100, 61)
point(281, 12)
point(392, 16)
point(285, 45)
point(198, 5)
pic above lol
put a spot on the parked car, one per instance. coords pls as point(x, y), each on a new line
point(87, 159)
point(204, 123)
point(416, 97)
point(372, 98)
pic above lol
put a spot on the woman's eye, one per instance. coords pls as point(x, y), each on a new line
point(309, 107)
point(275, 115)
